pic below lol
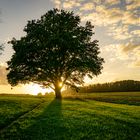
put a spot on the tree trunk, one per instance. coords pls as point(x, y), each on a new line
point(58, 93)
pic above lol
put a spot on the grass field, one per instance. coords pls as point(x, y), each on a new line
point(129, 98)
point(82, 117)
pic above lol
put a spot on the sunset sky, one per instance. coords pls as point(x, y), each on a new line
point(117, 27)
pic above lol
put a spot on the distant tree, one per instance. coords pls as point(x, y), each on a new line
point(39, 94)
point(1, 49)
point(118, 86)
point(55, 51)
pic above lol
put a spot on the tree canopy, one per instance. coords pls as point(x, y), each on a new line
point(56, 51)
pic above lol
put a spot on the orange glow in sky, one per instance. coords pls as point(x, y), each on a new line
point(34, 89)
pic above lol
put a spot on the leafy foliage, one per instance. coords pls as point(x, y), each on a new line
point(56, 49)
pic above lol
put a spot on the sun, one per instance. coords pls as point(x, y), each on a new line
point(60, 84)
point(34, 89)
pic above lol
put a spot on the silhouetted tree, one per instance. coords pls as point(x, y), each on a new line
point(55, 51)
point(1, 49)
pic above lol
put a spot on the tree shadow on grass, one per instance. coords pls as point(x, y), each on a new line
point(77, 124)
point(49, 125)
point(44, 123)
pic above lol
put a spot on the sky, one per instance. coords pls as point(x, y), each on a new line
point(117, 27)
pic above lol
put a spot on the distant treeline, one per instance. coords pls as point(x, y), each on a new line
point(119, 86)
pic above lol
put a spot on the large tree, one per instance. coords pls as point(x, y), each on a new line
point(56, 51)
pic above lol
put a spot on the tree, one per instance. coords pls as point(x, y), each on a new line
point(118, 86)
point(55, 51)
point(1, 48)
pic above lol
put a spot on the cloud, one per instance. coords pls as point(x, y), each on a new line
point(119, 17)
point(114, 15)
point(135, 64)
point(132, 4)
point(115, 52)
point(112, 2)
point(102, 16)
point(105, 12)
point(87, 6)
point(136, 54)
point(3, 74)
point(66, 4)
point(136, 32)
point(128, 53)
point(128, 48)
point(69, 4)
point(131, 17)
point(119, 32)
point(57, 3)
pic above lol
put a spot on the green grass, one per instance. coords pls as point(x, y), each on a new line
point(71, 119)
point(130, 98)
point(12, 107)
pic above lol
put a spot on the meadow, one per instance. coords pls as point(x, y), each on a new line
point(96, 116)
